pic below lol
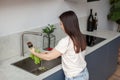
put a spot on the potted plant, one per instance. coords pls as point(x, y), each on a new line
point(48, 37)
point(114, 13)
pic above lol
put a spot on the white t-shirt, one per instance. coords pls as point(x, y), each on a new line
point(72, 63)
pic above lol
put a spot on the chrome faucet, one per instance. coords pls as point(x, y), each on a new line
point(22, 40)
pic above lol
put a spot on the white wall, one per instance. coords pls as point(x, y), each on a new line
point(20, 15)
point(17, 15)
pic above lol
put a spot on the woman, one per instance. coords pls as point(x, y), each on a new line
point(71, 48)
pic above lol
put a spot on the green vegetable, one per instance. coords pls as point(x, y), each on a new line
point(49, 29)
point(114, 13)
point(35, 58)
point(42, 68)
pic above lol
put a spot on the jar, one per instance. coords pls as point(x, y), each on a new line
point(49, 42)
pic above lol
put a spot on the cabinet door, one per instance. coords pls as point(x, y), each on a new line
point(97, 62)
point(59, 75)
point(113, 55)
point(102, 62)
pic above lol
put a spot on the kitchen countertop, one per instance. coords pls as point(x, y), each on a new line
point(10, 72)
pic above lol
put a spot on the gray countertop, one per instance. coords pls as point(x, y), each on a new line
point(10, 72)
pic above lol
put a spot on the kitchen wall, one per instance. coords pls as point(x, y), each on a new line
point(21, 15)
point(17, 16)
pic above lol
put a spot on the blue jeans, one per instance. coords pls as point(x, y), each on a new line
point(84, 75)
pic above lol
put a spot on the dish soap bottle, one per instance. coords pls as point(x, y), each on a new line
point(90, 24)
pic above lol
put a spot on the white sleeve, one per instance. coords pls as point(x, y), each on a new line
point(62, 45)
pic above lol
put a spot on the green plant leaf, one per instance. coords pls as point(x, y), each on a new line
point(35, 58)
point(49, 29)
point(117, 4)
point(114, 13)
point(113, 1)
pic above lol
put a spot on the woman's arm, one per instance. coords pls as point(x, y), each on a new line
point(46, 55)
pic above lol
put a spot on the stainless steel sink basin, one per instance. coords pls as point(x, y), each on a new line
point(36, 69)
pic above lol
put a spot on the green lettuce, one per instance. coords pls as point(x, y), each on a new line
point(35, 58)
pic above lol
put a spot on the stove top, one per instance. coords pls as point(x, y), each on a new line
point(93, 40)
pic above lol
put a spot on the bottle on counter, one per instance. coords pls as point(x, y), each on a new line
point(90, 25)
point(95, 21)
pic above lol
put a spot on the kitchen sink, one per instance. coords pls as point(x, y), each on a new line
point(28, 64)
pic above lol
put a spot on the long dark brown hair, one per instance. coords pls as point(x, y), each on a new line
point(71, 27)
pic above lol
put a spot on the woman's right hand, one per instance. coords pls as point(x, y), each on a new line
point(32, 50)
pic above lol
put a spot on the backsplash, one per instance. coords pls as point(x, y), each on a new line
point(11, 44)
